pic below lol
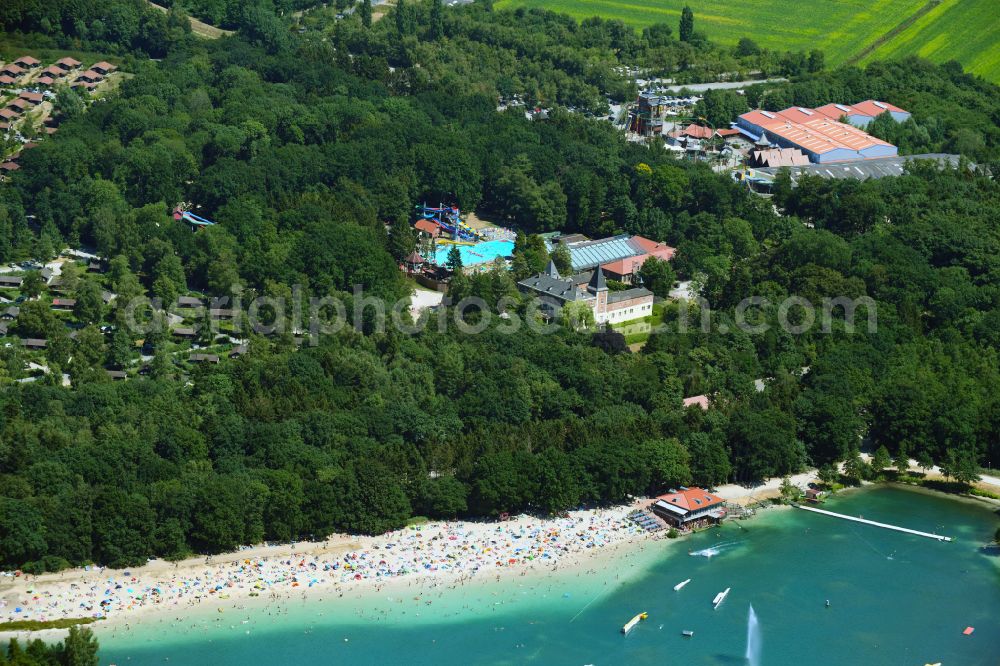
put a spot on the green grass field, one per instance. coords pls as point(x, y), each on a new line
point(964, 30)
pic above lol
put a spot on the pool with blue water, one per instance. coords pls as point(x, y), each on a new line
point(480, 253)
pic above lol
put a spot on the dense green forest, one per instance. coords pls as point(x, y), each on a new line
point(305, 147)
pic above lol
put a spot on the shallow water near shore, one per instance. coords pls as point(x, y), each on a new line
point(894, 599)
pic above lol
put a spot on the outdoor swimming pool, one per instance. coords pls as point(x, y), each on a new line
point(480, 253)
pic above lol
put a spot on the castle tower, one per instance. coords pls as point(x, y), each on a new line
point(599, 287)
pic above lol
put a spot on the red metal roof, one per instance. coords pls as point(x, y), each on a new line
point(870, 107)
point(834, 111)
point(815, 132)
point(727, 132)
point(68, 62)
point(27, 60)
point(6, 80)
point(10, 166)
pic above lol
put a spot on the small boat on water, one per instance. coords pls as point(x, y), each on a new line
point(687, 633)
point(634, 621)
point(681, 584)
point(720, 597)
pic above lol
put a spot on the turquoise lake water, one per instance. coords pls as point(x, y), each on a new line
point(895, 599)
point(480, 253)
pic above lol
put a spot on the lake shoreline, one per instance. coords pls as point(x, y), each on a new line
point(626, 540)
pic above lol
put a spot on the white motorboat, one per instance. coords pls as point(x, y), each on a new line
point(720, 597)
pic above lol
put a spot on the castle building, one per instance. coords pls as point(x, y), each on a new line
point(555, 291)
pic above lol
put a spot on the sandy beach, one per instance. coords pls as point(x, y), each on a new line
point(425, 556)
point(431, 554)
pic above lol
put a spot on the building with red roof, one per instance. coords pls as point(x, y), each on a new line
point(864, 112)
point(696, 401)
point(821, 138)
point(9, 114)
point(7, 80)
point(45, 81)
point(19, 105)
point(31, 97)
point(627, 268)
point(689, 507)
point(697, 132)
point(777, 157)
point(54, 72)
point(27, 62)
point(428, 227)
point(68, 63)
point(90, 76)
point(103, 67)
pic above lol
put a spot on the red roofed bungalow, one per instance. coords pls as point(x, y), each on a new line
point(690, 508)
point(696, 401)
point(432, 229)
point(10, 166)
point(19, 104)
point(6, 80)
point(13, 70)
point(90, 76)
point(27, 61)
point(68, 63)
point(44, 81)
point(31, 97)
point(103, 67)
point(55, 72)
point(697, 132)
point(9, 114)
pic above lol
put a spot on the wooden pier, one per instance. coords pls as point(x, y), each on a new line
point(907, 530)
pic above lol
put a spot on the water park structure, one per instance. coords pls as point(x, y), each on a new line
point(181, 212)
point(449, 219)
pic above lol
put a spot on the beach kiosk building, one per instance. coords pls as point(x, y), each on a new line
point(689, 507)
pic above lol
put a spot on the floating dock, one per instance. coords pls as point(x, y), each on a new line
point(865, 521)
